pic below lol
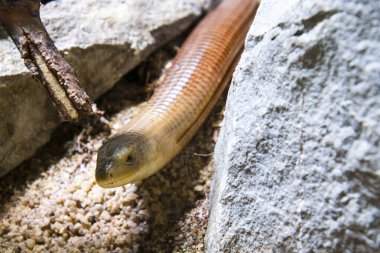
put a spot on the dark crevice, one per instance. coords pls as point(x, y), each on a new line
point(317, 18)
point(3, 34)
point(298, 32)
point(314, 55)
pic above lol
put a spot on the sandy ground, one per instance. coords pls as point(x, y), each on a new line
point(52, 203)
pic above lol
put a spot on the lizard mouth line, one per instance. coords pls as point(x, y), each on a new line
point(110, 182)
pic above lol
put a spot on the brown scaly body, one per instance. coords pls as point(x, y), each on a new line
point(192, 86)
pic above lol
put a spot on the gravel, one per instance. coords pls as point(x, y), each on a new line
point(52, 202)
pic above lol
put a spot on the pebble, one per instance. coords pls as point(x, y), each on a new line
point(30, 243)
point(105, 216)
point(198, 188)
point(131, 197)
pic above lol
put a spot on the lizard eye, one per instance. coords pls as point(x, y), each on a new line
point(130, 159)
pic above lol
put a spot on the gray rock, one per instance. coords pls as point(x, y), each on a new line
point(103, 40)
point(298, 158)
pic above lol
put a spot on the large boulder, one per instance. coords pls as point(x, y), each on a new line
point(102, 39)
point(298, 158)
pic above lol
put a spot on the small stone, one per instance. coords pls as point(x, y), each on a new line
point(77, 227)
point(97, 244)
point(105, 216)
point(30, 243)
point(131, 197)
point(115, 208)
point(198, 188)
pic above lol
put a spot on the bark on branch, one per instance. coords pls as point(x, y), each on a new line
point(21, 20)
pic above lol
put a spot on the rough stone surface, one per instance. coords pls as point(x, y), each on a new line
point(298, 159)
point(102, 39)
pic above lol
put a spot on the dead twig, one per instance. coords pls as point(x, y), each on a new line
point(22, 22)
